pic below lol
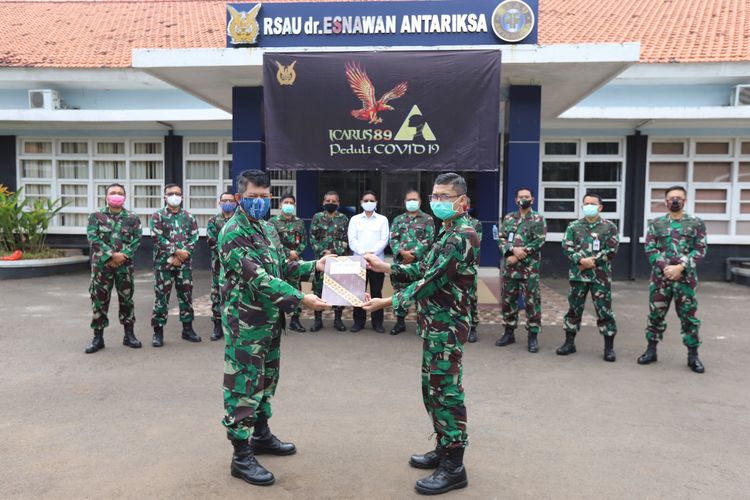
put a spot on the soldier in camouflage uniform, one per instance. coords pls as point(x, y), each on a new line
point(590, 243)
point(474, 300)
point(114, 235)
point(521, 237)
point(328, 236)
point(412, 235)
point(228, 206)
point(253, 269)
point(293, 236)
point(675, 243)
point(175, 233)
point(440, 284)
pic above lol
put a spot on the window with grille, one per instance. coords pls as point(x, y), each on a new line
point(77, 171)
point(716, 175)
point(574, 167)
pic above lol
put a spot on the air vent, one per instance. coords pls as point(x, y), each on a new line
point(44, 99)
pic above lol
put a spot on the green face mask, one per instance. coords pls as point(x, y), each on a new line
point(443, 210)
point(412, 205)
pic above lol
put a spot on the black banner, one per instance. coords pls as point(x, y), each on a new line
point(382, 110)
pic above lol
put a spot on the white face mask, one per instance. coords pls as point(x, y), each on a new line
point(369, 206)
point(174, 200)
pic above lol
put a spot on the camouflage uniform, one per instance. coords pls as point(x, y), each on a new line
point(528, 232)
point(253, 269)
point(671, 242)
point(474, 300)
point(213, 228)
point(172, 232)
point(415, 233)
point(110, 233)
point(293, 237)
point(440, 286)
point(585, 239)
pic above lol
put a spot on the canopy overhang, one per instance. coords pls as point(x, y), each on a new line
point(567, 73)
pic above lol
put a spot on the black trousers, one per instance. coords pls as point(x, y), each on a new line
point(375, 282)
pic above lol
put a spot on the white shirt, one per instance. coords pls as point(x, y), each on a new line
point(368, 234)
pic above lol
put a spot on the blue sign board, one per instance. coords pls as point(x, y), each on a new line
point(353, 24)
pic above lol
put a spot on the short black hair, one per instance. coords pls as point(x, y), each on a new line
point(369, 191)
point(455, 180)
point(171, 185)
point(525, 189)
point(226, 193)
point(332, 193)
point(593, 195)
point(114, 184)
point(675, 188)
point(257, 178)
point(410, 191)
point(288, 195)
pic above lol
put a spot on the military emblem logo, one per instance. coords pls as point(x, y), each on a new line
point(242, 27)
point(286, 74)
point(365, 91)
point(513, 20)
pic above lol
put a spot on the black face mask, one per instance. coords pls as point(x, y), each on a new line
point(330, 207)
point(524, 203)
point(676, 204)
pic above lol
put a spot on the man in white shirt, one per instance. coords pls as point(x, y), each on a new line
point(368, 234)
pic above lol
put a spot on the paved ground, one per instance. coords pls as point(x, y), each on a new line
point(145, 424)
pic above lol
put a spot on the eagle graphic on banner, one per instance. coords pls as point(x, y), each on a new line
point(365, 91)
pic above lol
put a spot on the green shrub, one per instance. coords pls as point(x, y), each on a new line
point(24, 224)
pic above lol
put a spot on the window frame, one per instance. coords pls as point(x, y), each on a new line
point(732, 188)
point(581, 185)
point(92, 183)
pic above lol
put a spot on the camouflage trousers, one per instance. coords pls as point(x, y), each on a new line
point(101, 292)
point(251, 374)
point(442, 389)
point(473, 304)
point(215, 292)
point(601, 295)
point(660, 295)
point(183, 282)
point(512, 288)
point(397, 285)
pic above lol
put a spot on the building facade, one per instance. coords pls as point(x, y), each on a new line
point(600, 102)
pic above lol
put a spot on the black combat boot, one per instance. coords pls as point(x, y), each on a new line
point(97, 343)
point(129, 339)
point(399, 327)
point(694, 362)
point(429, 460)
point(569, 347)
point(533, 342)
point(218, 333)
point(473, 334)
point(295, 325)
point(509, 337)
point(318, 324)
point(158, 339)
point(265, 443)
point(609, 348)
point(338, 323)
point(450, 475)
point(650, 355)
point(188, 333)
point(246, 467)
